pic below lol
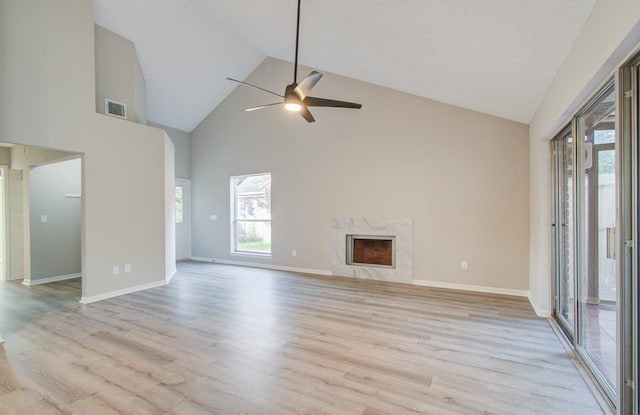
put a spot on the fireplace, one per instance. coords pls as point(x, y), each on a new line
point(371, 250)
point(387, 251)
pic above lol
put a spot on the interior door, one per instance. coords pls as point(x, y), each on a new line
point(183, 219)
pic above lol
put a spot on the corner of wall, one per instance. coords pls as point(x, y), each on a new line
point(539, 225)
point(540, 312)
point(169, 184)
point(118, 74)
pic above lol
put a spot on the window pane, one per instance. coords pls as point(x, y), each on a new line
point(605, 136)
point(253, 236)
point(253, 194)
point(564, 249)
point(606, 222)
point(179, 213)
point(252, 213)
point(596, 238)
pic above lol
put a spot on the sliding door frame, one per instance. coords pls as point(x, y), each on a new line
point(625, 399)
point(559, 227)
point(581, 251)
point(627, 108)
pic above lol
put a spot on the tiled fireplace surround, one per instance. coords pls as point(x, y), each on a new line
point(402, 229)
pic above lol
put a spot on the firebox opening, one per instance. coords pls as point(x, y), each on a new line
point(371, 250)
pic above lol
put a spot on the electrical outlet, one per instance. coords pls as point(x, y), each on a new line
point(127, 268)
point(294, 253)
point(44, 219)
point(464, 264)
point(116, 270)
point(213, 217)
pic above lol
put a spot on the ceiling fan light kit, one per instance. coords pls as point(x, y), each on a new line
point(292, 106)
point(296, 98)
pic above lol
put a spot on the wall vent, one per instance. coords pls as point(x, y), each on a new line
point(115, 108)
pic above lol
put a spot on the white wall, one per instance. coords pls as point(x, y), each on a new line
point(461, 175)
point(15, 228)
point(5, 156)
point(609, 35)
point(182, 145)
point(118, 74)
point(55, 245)
point(25, 157)
point(140, 91)
point(47, 79)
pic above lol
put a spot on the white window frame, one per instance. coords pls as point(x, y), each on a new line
point(233, 220)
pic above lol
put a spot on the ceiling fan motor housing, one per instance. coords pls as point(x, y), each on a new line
point(290, 94)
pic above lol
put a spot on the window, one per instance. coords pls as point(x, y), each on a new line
point(251, 214)
point(179, 205)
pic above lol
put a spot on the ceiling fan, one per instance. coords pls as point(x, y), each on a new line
point(296, 95)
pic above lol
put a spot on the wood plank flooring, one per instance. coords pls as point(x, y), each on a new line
point(233, 340)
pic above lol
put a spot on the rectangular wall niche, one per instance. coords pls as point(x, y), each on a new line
point(371, 250)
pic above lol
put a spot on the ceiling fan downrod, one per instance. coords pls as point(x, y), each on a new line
point(295, 66)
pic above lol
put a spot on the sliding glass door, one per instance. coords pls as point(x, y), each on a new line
point(628, 107)
point(585, 243)
point(596, 270)
point(595, 199)
point(563, 227)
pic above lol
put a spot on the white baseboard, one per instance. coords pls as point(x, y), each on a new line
point(47, 280)
point(540, 312)
point(171, 275)
point(474, 288)
point(201, 259)
point(117, 293)
point(270, 266)
point(15, 277)
point(426, 283)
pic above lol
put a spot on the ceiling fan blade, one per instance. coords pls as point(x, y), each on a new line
point(263, 106)
point(323, 102)
point(306, 114)
point(253, 86)
point(305, 86)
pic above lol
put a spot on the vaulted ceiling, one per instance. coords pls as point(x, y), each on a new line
point(494, 56)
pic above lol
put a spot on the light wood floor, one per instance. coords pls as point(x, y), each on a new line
point(233, 340)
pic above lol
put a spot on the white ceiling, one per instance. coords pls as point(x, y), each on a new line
point(494, 56)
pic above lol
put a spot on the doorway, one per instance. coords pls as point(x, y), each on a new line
point(55, 221)
point(183, 219)
point(41, 191)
